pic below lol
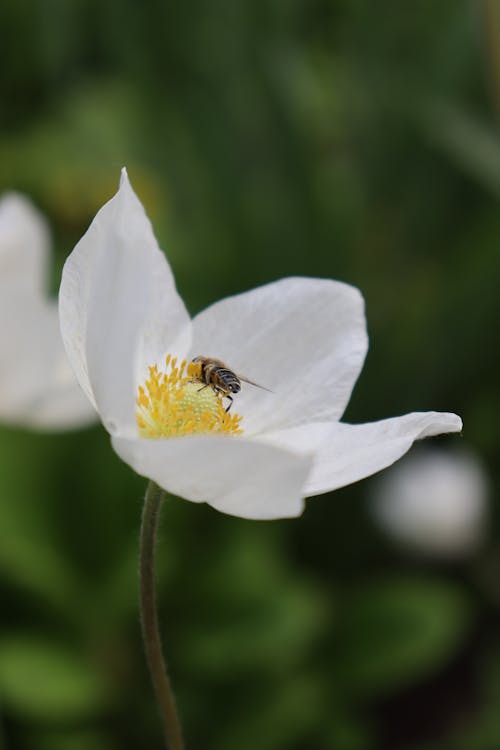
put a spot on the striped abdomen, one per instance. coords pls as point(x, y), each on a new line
point(225, 379)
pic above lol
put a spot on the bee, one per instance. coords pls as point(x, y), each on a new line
point(217, 375)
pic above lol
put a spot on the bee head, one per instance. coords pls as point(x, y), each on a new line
point(235, 387)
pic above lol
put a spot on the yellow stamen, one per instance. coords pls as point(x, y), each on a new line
point(174, 403)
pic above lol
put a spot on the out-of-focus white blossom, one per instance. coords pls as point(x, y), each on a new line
point(434, 501)
point(37, 385)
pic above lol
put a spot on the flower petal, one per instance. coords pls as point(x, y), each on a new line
point(119, 308)
point(303, 338)
point(37, 386)
point(24, 245)
point(345, 453)
point(237, 476)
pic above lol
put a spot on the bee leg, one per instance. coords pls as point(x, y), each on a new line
point(230, 398)
point(202, 387)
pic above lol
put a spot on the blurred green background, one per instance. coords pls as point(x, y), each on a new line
point(335, 138)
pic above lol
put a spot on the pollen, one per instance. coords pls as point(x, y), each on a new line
point(174, 402)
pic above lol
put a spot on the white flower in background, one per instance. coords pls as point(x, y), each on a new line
point(122, 319)
point(434, 501)
point(37, 386)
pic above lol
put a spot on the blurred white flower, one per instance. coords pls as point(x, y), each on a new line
point(434, 501)
point(37, 385)
point(122, 320)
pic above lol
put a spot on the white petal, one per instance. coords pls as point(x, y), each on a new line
point(345, 453)
point(37, 386)
point(303, 338)
point(234, 475)
point(119, 308)
point(24, 245)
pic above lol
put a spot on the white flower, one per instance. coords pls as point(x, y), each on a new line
point(37, 386)
point(435, 502)
point(303, 338)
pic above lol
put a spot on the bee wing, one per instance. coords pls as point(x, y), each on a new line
point(246, 380)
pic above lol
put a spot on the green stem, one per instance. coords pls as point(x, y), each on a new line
point(149, 619)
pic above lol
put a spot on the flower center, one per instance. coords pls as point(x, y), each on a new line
point(176, 402)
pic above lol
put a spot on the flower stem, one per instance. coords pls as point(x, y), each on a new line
point(149, 619)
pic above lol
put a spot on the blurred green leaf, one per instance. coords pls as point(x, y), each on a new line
point(346, 731)
point(473, 145)
point(395, 631)
point(276, 718)
point(254, 613)
point(45, 680)
point(76, 739)
point(30, 556)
